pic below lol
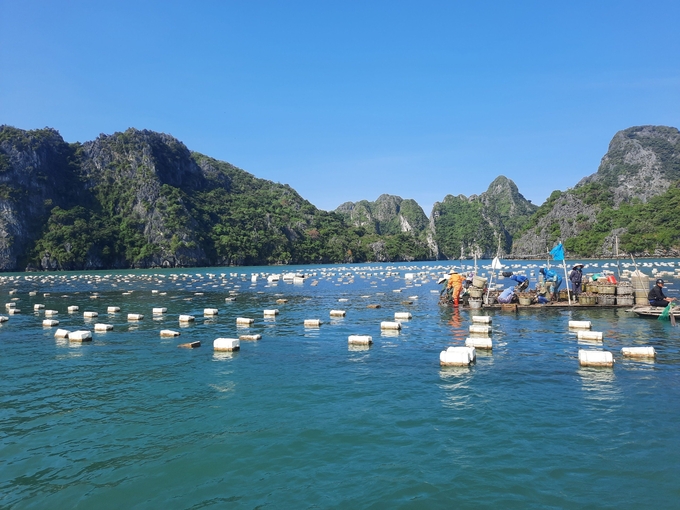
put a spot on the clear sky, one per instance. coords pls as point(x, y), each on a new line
point(347, 100)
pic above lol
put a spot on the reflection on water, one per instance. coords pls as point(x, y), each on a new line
point(223, 355)
point(599, 384)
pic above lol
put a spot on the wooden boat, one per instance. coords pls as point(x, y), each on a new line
point(653, 311)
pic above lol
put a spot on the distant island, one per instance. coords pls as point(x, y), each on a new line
point(141, 199)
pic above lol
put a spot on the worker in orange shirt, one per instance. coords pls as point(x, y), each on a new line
point(455, 285)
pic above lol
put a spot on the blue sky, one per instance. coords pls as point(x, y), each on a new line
point(348, 100)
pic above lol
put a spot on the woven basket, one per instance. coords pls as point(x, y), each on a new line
point(475, 292)
point(475, 303)
point(624, 300)
point(587, 300)
point(479, 282)
point(624, 289)
point(606, 299)
point(525, 301)
point(607, 289)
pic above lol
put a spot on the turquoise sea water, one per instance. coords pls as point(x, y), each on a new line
point(300, 420)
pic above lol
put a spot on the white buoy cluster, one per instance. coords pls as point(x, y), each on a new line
point(409, 276)
point(600, 357)
point(480, 338)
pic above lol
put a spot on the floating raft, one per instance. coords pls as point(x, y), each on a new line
point(653, 311)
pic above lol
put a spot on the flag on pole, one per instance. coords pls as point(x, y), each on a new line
point(557, 252)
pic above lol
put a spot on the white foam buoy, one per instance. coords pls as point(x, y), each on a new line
point(313, 323)
point(50, 313)
point(587, 358)
point(166, 333)
point(135, 317)
point(250, 338)
point(226, 344)
point(113, 309)
point(481, 319)
point(404, 316)
point(244, 321)
point(457, 356)
point(271, 313)
point(639, 352)
point(90, 315)
point(186, 318)
point(480, 329)
point(80, 336)
point(210, 311)
point(479, 343)
point(589, 335)
point(390, 325)
point(338, 313)
point(159, 310)
point(580, 325)
point(3, 318)
point(103, 327)
point(50, 323)
point(359, 339)
point(61, 333)
point(38, 307)
point(73, 308)
point(10, 305)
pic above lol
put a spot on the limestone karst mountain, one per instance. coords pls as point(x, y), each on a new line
point(632, 196)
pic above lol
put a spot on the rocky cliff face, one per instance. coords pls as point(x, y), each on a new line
point(389, 214)
point(641, 163)
point(37, 169)
point(128, 171)
point(480, 225)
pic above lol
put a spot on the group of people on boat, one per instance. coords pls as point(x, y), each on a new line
point(547, 289)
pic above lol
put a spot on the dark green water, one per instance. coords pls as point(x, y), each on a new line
point(299, 420)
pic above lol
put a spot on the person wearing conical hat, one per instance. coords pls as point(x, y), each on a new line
point(576, 278)
point(455, 285)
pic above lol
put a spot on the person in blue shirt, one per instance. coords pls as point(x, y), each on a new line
point(552, 277)
point(522, 281)
point(507, 296)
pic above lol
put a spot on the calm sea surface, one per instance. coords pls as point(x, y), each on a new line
point(300, 420)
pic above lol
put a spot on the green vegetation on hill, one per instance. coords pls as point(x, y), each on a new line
point(647, 227)
point(141, 199)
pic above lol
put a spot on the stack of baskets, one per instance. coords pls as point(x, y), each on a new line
point(606, 293)
point(476, 291)
point(624, 293)
point(586, 298)
point(640, 288)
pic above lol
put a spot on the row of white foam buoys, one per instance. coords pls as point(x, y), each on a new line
point(602, 358)
point(480, 330)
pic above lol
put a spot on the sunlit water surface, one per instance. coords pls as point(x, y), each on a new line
point(301, 420)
